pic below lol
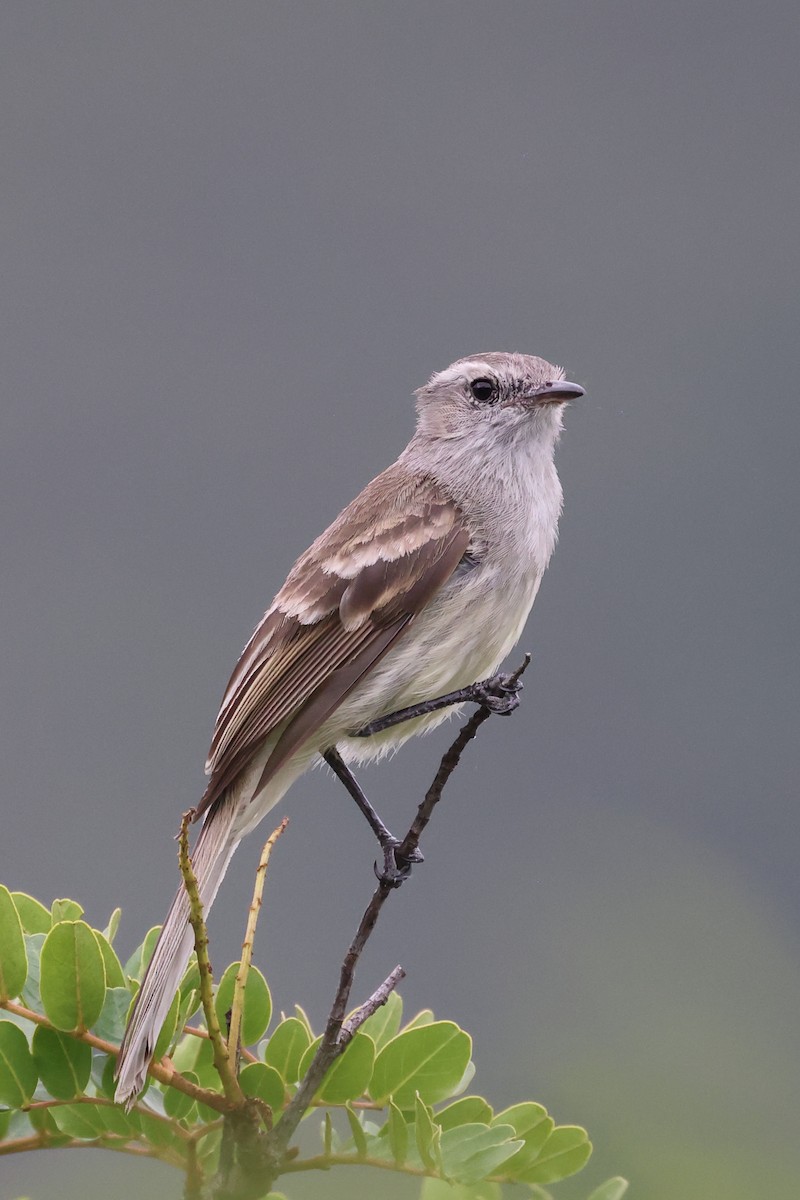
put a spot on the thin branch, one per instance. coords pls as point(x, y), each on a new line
point(230, 1084)
point(336, 1036)
point(108, 1141)
point(103, 1102)
point(164, 1071)
point(249, 937)
point(364, 1011)
point(203, 1034)
point(450, 761)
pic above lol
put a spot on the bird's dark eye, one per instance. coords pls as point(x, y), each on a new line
point(482, 390)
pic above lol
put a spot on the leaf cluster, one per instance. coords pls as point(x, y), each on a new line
point(394, 1099)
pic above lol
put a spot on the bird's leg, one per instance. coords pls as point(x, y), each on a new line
point(395, 870)
point(500, 694)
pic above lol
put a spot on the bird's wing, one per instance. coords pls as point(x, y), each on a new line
point(344, 603)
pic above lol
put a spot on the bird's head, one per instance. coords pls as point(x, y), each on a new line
point(506, 394)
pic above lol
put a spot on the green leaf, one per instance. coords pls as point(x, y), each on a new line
point(110, 1025)
point(302, 1016)
point(469, 1110)
point(136, 965)
point(286, 1047)
point(195, 1054)
point(357, 1130)
point(534, 1125)
point(566, 1150)
point(185, 1006)
point(167, 1031)
point(65, 910)
point(465, 1080)
point(18, 1074)
point(115, 1120)
point(350, 1074)
point(429, 1059)
point(103, 1068)
point(73, 978)
point(612, 1189)
point(384, 1024)
point(34, 916)
point(425, 1017)
point(114, 973)
point(158, 1133)
point(257, 1079)
point(439, 1189)
point(30, 996)
point(177, 1104)
point(110, 931)
point(190, 987)
point(13, 958)
point(397, 1129)
point(471, 1152)
point(80, 1121)
point(427, 1137)
point(257, 1007)
point(64, 1064)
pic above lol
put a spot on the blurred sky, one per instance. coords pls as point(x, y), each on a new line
point(234, 238)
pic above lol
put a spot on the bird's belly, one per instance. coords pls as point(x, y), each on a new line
point(450, 645)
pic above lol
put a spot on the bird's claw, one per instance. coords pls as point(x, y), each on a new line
point(500, 694)
point(396, 868)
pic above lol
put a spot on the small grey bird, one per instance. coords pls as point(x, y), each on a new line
point(420, 587)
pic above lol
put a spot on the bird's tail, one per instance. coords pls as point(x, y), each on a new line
point(213, 852)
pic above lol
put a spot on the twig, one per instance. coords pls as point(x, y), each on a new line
point(230, 1084)
point(164, 1071)
point(338, 1032)
point(247, 945)
point(364, 1011)
point(450, 761)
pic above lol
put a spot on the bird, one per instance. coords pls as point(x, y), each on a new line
point(420, 587)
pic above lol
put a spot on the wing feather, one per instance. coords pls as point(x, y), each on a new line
point(344, 603)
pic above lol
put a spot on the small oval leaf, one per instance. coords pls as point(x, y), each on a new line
point(397, 1128)
point(18, 1074)
point(136, 965)
point(612, 1189)
point(73, 977)
point(357, 1131)
point(80, 1121)
point(566, 1150)
point(110, 931)
point(13, 959)
point(428, 1059)
point(286, 1047)
point(257, 1079)
point(471, 1152)
point(350, 1074)
point(167, 1032)
point(470, 1110)
point(64, 1064)
point(114, 973)
point(65, 910)
point(384, 1024)
point(257, 1007)
point(34, 916)
point(177, 1104)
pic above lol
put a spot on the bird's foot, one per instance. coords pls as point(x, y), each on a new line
point(500, 694)
point(396, 867)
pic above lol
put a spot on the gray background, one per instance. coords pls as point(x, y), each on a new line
point(234, 238)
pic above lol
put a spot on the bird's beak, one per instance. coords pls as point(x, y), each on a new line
point(556, 391)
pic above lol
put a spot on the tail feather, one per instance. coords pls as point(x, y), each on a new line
point(213, 852)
